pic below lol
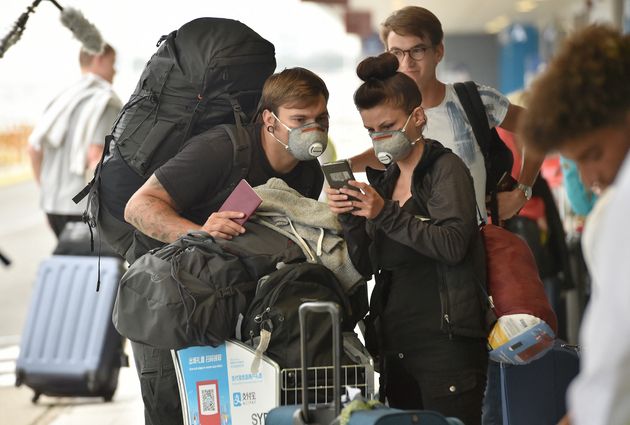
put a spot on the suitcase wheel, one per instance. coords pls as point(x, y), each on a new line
point(35, 397)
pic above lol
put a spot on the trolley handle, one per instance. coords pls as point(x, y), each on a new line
point(335, 314)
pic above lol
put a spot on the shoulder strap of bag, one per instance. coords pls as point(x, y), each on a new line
point(241, 160)
point(476, 113)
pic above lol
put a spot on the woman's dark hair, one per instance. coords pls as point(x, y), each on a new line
point(383, 84)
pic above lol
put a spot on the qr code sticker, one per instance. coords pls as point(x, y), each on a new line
point(208, 399)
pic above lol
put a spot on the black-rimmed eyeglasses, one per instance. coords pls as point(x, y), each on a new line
point(416, 53)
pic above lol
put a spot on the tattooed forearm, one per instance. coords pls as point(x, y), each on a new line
point(155, 217)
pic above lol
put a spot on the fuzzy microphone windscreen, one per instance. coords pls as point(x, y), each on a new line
point(83, 30)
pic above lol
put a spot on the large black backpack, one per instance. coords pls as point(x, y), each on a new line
point(274, 311)
point(208, 72)
point(497, 156)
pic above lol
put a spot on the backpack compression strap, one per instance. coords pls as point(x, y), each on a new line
point(476, 113)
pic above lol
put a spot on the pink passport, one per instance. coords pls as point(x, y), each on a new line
point(242, 199)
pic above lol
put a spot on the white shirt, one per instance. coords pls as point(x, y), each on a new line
point(592, 228)
point(447, 123)
point(81, 115)
point(600, 395)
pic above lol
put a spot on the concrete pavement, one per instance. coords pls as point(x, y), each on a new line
point(126, 408)
point(16, 173)
point(26, 240)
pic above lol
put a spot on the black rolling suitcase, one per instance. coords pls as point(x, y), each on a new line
point(77, 239)
point(325, 414)
point(69, 346)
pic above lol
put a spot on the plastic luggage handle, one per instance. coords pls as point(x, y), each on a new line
point(335, 314)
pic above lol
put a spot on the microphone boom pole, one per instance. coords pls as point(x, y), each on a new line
point(82, 29)
point(18, 28)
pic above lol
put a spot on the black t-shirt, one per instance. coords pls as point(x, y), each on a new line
point(203, 167)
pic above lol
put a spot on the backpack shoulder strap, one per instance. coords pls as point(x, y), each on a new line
point(475, 111)
point(242, 144)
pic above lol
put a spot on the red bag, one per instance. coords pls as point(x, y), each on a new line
point(513, 280)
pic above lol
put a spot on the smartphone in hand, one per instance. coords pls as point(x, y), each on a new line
point(242, 199)
point(337, 175)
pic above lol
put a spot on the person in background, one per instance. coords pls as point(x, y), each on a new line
point(414, 35)
point(580, 106)
point(67, 142)
point(581, 199)
point(415, 224)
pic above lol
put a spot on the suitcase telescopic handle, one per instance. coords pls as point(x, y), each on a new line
point(335, 314)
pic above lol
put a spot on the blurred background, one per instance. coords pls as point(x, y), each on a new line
point(496, 42)
point(502, 43)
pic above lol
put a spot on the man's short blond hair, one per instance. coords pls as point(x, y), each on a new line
point(292, 88)
point(86, 58)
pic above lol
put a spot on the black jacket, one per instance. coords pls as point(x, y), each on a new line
point(443, 190)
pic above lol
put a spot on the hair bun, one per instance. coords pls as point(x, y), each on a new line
point(378, 68)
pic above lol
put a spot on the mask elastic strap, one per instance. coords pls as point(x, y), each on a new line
point(404, 127)
point(278, 119)
point(286, 146)
point(279, 141)
point(416, 141)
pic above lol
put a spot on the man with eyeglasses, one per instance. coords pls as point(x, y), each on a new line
point(414, 35)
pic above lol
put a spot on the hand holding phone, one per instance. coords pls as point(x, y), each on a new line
point(337, 175)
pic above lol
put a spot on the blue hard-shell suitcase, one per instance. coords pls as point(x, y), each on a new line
point(327, 413)
point(69, 346)
point(535, 393)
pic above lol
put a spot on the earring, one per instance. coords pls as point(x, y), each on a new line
point(270, 129)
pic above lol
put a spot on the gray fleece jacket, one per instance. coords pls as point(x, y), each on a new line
point(311, 225)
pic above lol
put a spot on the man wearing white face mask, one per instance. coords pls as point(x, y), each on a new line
point(181, 195)
point(293, 133)
point(305, 142)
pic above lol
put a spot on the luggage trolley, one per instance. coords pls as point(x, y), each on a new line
point(217, 385)
point(359, 375)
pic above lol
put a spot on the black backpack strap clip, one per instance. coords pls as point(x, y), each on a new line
point(239, 115)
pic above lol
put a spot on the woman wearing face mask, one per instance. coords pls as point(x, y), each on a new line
point(415, 226)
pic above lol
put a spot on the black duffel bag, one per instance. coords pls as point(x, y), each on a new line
point(192, 291)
